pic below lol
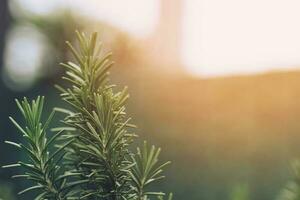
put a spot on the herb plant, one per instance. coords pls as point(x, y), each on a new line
point(90, 156)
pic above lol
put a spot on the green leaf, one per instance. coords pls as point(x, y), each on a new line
point(31, 188)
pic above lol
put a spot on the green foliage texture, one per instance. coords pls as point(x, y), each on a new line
point(89, 156)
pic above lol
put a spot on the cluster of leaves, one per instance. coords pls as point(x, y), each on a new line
point(43, 165)
point(93, 145)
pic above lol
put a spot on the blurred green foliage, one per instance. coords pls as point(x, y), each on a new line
point(240, 192)
point(6, 191)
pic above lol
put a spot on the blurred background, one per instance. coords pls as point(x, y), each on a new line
point(214, 83)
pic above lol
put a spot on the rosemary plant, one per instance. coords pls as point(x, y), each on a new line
point(43, 166)
point(91, 157)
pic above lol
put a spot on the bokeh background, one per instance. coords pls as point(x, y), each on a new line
point(215, 83)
